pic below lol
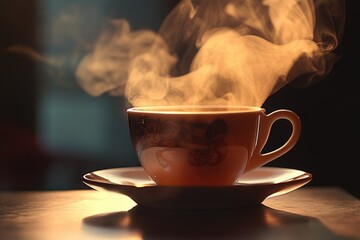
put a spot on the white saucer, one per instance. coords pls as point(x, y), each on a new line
point(252, 188)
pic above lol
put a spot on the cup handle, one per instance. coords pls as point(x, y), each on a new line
point(266, 121)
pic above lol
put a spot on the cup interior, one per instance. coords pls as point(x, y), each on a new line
point(194, 109)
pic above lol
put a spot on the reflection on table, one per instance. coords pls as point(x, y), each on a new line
point(306, 213)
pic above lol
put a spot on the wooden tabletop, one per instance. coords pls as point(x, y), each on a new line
point(306, 213)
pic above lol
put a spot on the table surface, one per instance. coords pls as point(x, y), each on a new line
point(306, 213)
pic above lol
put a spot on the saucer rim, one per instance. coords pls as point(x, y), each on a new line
point(200, 197)
point(302, 175)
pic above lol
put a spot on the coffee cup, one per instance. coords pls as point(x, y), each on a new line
point(205, 145)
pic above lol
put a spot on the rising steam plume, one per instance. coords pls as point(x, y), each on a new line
point(209, 52)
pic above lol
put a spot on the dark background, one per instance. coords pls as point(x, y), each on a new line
point(51, 132)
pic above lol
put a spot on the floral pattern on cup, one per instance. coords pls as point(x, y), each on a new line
point(205, 140)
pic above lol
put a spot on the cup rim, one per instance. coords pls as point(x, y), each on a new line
point(191, 109)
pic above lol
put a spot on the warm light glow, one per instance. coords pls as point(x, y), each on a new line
point(67, 214)
point(216, 52)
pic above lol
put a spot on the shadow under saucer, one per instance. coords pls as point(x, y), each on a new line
point(258, 222)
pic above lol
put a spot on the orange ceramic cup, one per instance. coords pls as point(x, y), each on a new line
point(205, 145)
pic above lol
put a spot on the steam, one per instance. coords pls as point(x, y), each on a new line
point(235, 52)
